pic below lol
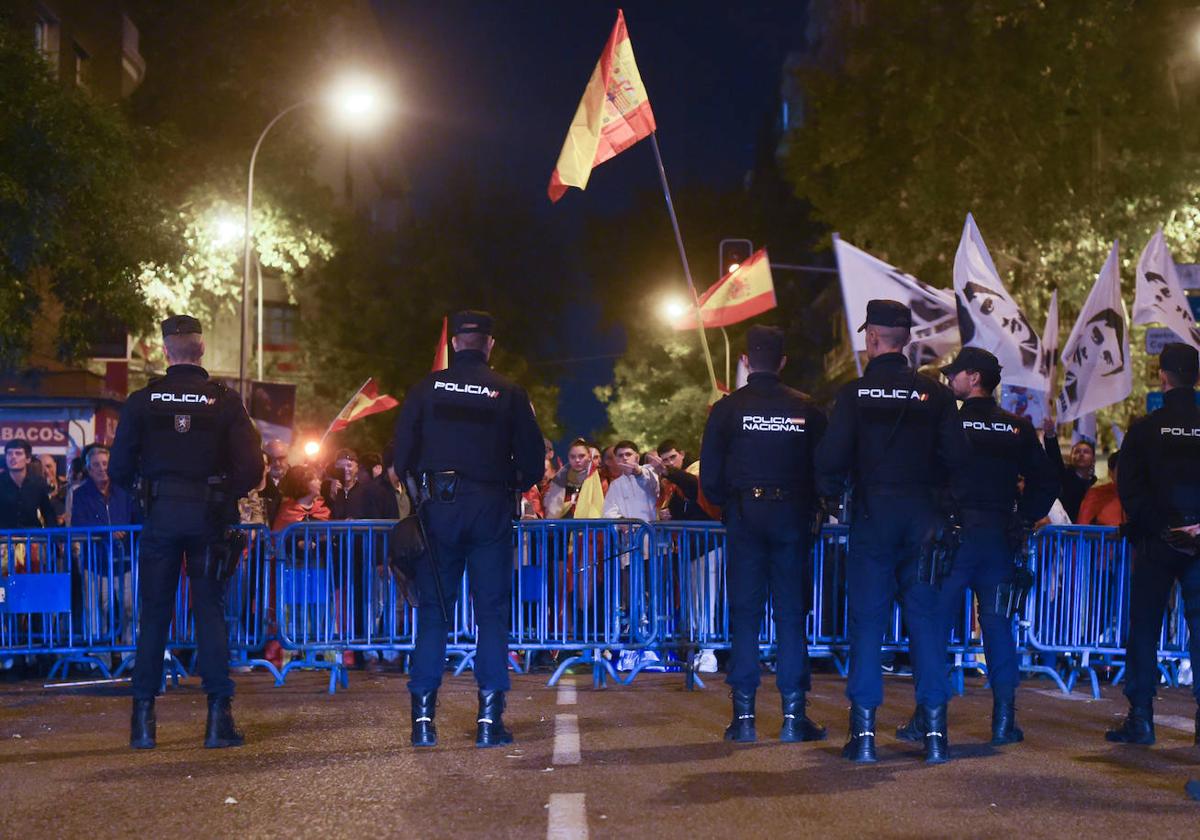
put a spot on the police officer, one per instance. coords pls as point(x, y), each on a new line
point(469, 435)
point(894, 433)
point(984, 489)
point(1160, 492)
point(190, 441)
point(757, 463)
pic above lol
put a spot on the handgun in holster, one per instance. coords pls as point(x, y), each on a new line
point(936, 557)
point(1008, 599)
point(441, 487)
point(224, 552)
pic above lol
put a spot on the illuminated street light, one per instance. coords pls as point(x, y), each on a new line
point(672, 309)
point(359, 102)
point(225, 231)
point(311, 448)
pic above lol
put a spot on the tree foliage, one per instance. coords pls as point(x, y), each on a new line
point(77, 212)
point(1061, 126)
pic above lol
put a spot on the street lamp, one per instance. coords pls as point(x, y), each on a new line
point(672, 309)
point(358, 101)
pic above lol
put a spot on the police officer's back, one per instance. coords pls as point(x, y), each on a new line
point(894, 435)
point(468, 435)
point(1159, 488)
point(756, 461)
point(196, 452)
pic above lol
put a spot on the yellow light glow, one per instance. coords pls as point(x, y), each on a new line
point(359, 101)
point(672, 309)
point(311, 448)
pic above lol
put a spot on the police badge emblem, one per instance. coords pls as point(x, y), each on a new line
point(183, 423)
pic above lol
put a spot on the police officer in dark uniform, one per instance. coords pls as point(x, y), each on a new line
point(1004, 447)
point(196, 452)
point(1160, 492)
point(895, 435)
point(756, 461)
point(469, 436)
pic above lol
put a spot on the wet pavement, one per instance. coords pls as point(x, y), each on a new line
point(641, 760)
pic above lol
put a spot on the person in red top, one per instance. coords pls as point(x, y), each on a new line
point(1101, 505)
point(302, 502)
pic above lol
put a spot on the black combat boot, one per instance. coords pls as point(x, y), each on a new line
point(861, 746)
point(937, 739)
point(1137, 728)
point(142, 725)
point(491, 731)
point(796, 724)
point(1004, 723)
point(914, 729)
point(424, 733)
point(221, 730)
point(741, 727)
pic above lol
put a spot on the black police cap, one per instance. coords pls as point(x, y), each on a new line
point(1180, 358)
point(769, 339)
point(973, 358)
point(471, 321)
point(181, 325)
point(887, 313)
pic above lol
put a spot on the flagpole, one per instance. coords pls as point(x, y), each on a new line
point(339, 414)
point(687, 272)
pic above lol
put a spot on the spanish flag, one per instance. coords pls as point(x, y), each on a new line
point(742, 293)
point(441, 356)
point(365, 402)
point(590, 503)
point(613, 115)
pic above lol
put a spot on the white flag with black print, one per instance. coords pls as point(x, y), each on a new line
point(989, 318)
point(1158, 297)
point(1050, 344)
point(864, 278)
point(1096, 359)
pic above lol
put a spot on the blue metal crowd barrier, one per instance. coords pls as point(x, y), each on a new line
point(583, 591)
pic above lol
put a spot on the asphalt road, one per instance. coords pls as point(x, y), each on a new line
point(642, 760)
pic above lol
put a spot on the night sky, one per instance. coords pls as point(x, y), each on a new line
point(490, 88)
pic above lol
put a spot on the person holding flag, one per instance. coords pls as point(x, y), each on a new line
point(468, 437)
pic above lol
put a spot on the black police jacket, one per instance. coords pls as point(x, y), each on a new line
point(927, 444)
point(1159, 482)
point(471, 420)
point(186, 426)
point(762, 435)
point(1003, 446)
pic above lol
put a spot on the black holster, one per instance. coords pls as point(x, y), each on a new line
point(441, 487)
point(936, 557)
point(221, 557)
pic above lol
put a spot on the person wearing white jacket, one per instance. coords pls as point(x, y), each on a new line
point(633, 494)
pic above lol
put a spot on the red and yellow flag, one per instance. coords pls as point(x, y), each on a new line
point(590, 502)
point(742, 293)
point(613, 115)
point(441, 356)
point(365, 402)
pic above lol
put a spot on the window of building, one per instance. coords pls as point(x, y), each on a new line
point(45, 38)
point(83, 63)
point(281, 323)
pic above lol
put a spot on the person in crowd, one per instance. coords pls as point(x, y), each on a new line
point(302, 502)
point(76, 474)
point(895, 437)
point(277, 467)
point(252, 508)
point(633, 494)
point(563, 490)
point(55, 486)
point(1160, 492)
point(1076, 479)
point(24, 500)
point(372, 465)
point(1101, 504)
point(100, 503)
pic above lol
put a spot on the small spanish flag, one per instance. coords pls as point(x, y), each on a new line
point(746, 291)
point(366, 401)
point(590, 503)
point(613, 115)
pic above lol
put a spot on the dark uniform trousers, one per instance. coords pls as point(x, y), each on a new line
point(984, 561)
point(178, 527)
point(1156, 567)
point(474, 532)
point(885, 538)
point(768, 547)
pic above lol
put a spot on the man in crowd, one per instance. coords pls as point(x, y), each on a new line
point(98, 503)
point(1076, 479)
point(277, 467)
point(633, 494)
point(757, 456)
point(896, 435)
point(1102, 504)
point(24, 500)
point(1160, 492)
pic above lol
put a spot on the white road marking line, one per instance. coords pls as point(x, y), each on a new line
point(568, 817)
point(566, 692)
point(1074, 695)
point(566, 739)
point(1184, 724)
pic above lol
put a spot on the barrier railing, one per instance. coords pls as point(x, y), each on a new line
point(583, 590)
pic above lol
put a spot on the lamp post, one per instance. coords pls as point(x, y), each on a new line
point(673, 309)
point(356, 99)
